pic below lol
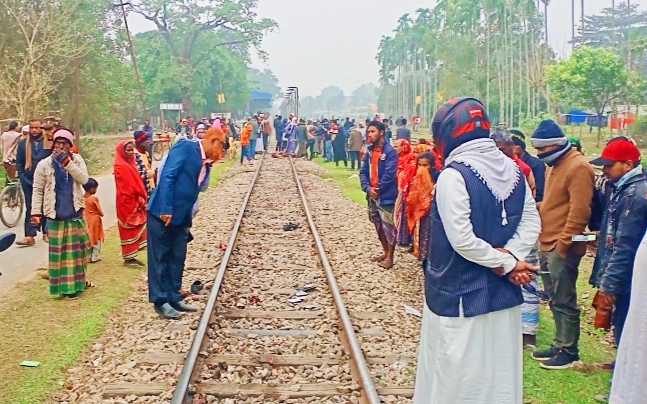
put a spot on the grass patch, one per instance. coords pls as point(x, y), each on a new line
point(219, 169)
point(540, 386)
point(55, 332)
point(346, 179)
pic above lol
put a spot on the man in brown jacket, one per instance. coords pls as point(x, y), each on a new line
point(565, 213)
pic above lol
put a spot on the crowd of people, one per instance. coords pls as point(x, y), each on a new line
point(487, 220)
point(155, 208)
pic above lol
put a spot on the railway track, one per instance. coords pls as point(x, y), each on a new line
point(278, 331)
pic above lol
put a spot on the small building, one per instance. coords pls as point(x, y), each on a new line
point(259, 101)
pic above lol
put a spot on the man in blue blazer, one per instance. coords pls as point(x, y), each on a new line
point(170, 218)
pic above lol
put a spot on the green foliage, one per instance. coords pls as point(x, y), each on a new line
point(531, 122)
point(264, 81)
point(591, 77)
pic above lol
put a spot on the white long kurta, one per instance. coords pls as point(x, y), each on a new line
point(630, 374)
point(476, 360)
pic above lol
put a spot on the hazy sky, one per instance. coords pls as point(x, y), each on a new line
point(334, 42)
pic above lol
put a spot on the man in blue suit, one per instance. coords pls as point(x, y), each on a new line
point(170, 218)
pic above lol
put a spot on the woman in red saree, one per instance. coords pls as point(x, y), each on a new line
point(131, 203)
point(406, 172)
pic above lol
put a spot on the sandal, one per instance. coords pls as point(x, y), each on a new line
point(90, 284)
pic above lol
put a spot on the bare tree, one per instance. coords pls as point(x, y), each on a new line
point(46, 44)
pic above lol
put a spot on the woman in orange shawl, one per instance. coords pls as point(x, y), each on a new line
point(131, 203)
point(418, 203)
point(406, 172)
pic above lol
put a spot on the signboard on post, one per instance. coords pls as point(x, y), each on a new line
point(171, 107)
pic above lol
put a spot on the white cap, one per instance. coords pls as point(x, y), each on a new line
point(25, 128)
point(201, 126)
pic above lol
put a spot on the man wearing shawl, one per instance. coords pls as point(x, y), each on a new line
point(131, 202)
point(170, 217)
point(406, 172)
point(143, 160)
point(30, 151)
point(483, 216)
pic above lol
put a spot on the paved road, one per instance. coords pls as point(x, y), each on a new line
point(19, 264)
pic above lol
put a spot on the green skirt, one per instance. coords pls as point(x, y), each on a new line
point(69, 253)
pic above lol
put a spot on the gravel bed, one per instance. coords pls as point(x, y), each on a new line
point(265, 259)
point(136, 329)
point(350, 242)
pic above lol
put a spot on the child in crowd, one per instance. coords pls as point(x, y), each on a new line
point(93, 214)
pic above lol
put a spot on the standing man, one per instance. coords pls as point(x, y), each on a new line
point(9, 142)
point(388, 134)
point(253, 136)
point(170, 219)
point(278, 132)
point(565, 212)
point(143, 161)
point(537, 166)
point(403, 132)
point(266, 129)
point(623, 226)
point(148, 129)
point(482, 217)
point(355, 144)
point(30, 151)
point(302, 137)
point(378, 177)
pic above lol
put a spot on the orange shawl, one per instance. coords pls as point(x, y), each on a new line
point(419, 198)
point(406, 165)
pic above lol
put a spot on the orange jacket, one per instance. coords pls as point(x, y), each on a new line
point(244, 135)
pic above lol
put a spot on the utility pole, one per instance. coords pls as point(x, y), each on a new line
point(132, 55)
point(573, 22)
point(77, 104)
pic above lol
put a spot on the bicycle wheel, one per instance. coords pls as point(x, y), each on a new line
point(12, 205)
point(158, 151)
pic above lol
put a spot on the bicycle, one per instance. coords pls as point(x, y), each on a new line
point(161, 145)
point(12, 204)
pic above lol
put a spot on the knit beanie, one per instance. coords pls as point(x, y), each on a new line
point(518, 138)
point(140, 136)
point(548, 133)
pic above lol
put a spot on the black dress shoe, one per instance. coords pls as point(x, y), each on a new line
point(180, 306)
point(168, 312)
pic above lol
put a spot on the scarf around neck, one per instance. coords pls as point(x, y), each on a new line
point(496, 170)
point(551, 158)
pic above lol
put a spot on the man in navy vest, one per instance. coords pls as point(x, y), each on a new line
point(170, 211)
point(484, 219)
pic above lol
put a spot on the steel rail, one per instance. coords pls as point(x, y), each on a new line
point(356, 351)
point(182, 389)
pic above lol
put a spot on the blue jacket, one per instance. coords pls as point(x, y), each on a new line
point(177, 188)
point(623, 227)
point(539, 172)
point(387, 172)
point(27, 175)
